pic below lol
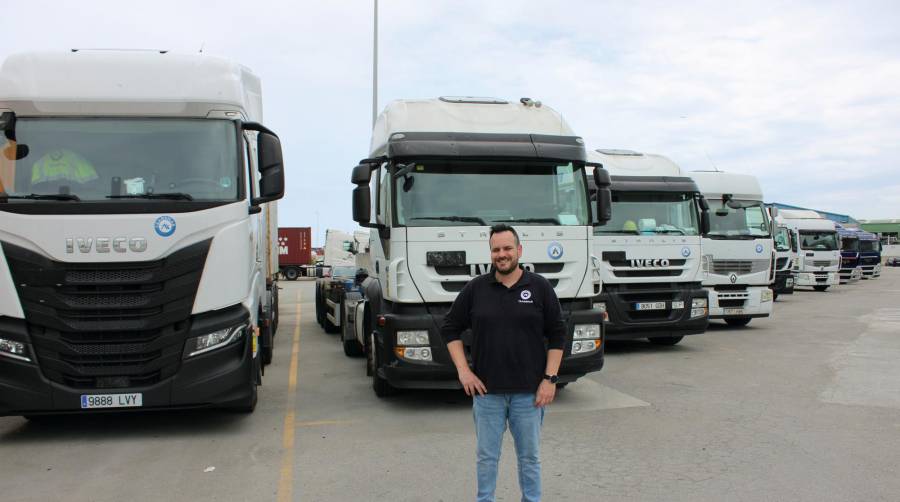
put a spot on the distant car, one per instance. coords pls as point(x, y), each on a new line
point(893, 261)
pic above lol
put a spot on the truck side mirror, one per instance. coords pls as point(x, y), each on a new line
point(704, 216)
point(362, 205)
point(269, 162)
point(361, 174)
point(604, 195)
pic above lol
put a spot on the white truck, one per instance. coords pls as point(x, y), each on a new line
point(439, 174)
point(785, 257)
point(820, 256)
point(738, 250)
point(650, 249)
point(137, 232)
point(343, 254)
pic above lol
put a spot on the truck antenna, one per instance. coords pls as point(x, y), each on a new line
point(713, 164)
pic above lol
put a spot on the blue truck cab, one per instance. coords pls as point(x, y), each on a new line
point(869, 255)
point(850, 270)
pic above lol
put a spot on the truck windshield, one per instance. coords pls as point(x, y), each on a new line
point(849, 244)
point(746, 222)
point(112, 159)
point(818, 241)
point(466, 193)
point(652, 213)
point(869, 246)
point(782, 239)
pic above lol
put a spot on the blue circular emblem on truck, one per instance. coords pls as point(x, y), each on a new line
point(759, 248)
point(555, 250)
point(165, 226)
point(685, 252)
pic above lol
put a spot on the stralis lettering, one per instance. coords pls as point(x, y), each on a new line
point(658, 262)
point(106, 244)
point(476, 269)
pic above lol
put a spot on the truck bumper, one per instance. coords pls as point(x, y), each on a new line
point(626, 322)
point(871, 271)
point(752, 301)
point(440, 373)
point(817, 278)
point(220, 378)
point(849, 275)
point(784, 282)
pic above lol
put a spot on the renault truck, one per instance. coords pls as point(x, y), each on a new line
point(138, 232)
point(439, 173)
point(820, 255)
point(738, 254)
point(650, 250)
point(870, 255)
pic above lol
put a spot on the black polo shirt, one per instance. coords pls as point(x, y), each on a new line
point(512, 329)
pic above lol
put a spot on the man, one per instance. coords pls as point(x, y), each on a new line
point(62, 166)
point(518, 337)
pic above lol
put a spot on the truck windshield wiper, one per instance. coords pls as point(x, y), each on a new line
point(168, 195)
point(531, 220)
point(738, 237)
point(468, 219)
point(669, 231)
point(40, 196)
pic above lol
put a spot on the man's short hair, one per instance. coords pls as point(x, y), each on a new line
point(503, 227)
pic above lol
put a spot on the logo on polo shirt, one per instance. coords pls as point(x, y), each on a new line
point(525, 296)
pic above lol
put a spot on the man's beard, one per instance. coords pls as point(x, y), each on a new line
point(513, 264)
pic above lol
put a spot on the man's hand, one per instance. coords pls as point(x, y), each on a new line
point(471, 383)
point(545, 394)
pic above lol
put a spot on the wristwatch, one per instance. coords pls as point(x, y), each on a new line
point(553, 378)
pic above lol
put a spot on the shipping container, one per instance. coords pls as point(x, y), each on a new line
point(294, 250)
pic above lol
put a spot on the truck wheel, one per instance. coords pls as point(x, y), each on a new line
point(274, 310)
point(381, 386)
point(820, 288)
point(737, 321)
point(266, 340)
point(320, 306)
point(665, 340)
point(291, 273)
point(352, 347)
point(774, 296)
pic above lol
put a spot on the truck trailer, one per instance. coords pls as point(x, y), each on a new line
point(294, 251)
point(738, 249)
point(440, 172)
point(650, 250)
point(137, 237)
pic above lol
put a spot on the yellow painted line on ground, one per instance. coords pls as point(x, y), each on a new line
point(286, 483)
point(316, 423)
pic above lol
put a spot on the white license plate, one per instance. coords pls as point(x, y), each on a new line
point(650, 306)
point(112, 400)
point(733, 311)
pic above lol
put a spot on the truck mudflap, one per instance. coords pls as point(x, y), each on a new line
point(648, 312)
point(440, 373)
point(219, 378)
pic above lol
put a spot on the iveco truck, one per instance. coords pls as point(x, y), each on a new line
point(137, 232)
point(439, 174)
point(737, 250)
point(650, 250)
point(785, 256)
point(820, 255)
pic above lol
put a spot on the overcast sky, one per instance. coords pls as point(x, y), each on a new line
point(806, 96)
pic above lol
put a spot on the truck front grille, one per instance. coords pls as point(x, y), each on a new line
point(100, 325)
point(740, 267)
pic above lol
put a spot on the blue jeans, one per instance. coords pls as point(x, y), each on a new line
point(491, 413)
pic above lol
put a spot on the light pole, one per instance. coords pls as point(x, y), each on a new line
point(375, 65)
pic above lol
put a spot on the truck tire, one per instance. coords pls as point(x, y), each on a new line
point(352, 347)
point(381, 386)
point(266, 342)
point(737, 321)
point(774, 295)
point(320, 305)
point(291, 273)
point(820, 288)
point(274, 309)
point(665, 340)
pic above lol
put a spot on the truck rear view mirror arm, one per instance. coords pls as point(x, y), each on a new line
point(270, 163)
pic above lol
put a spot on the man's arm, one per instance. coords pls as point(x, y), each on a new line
point(470, 382)
point(555, 331)
point(457, 320)
point(546, 390)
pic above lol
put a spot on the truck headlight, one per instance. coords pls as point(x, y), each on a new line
point(418, 337)
point(217, 339)
point(586, 331)
point(585, 346)
point(414, 353)
point(766, 295)
point(14, 350)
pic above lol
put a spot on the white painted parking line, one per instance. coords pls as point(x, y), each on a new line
point(866, 371)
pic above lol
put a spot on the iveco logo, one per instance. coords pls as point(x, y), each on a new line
point(106, 244)
point(476, 269)
point(640, 263)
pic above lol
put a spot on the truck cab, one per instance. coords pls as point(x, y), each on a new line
point(820, 255)
point(738, 249)
point(138, 232)
point(440, 172)
point(850, 270)
point(650, 250)
point(870, 255)
point(785, 256)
